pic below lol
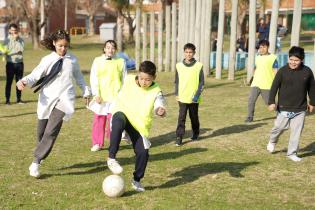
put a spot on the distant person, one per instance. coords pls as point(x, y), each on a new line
point(14, 58)
point(241, 44)
point(189, 82)
point(106, 78)
point(263, 30)
point(53, 78)
point(293, 84)
point(266, 66)
point(132, 111)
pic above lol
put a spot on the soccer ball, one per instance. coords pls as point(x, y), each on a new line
point(113, 186)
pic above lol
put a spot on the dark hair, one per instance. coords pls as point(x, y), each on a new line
point(263, 42)
point(190, 46)
point(112, 42)
point(53, 37)
point(147, 67)
point(297, 52)
point(13, 25)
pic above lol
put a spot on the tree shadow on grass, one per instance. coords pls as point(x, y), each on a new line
point(192, 173)
point(206, 87)
point(234, 129)
point(100, 166)
point(205, 133)
point(309, 150)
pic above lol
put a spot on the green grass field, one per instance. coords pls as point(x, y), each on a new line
point(229, 168)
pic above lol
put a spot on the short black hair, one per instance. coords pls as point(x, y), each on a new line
point(190, 46)
point(13, 25)
point(112, 42)
point(297, 52)
point(148, 67)
point(263, 42)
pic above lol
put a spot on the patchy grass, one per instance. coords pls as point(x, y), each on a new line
point(228, 168)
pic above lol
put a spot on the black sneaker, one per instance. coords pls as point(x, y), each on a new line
point(7, 103)
point(194, 137)
point(249, 119)
point(179, 141)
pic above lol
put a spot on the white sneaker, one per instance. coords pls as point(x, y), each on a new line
point(294, 158)
point(271, 147)
point(34, 170)
point(95, 148)
point(137, 186)
point(114, 166)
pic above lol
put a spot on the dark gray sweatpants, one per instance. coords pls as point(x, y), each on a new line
point(253, 95)
point(47, 132)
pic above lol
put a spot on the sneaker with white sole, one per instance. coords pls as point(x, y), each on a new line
point(271, 147)
point(95, 148)
point(34, 170)
point(137, 186)
point(114, 166)
point(294, 157)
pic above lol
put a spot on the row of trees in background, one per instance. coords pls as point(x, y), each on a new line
point(33, 12)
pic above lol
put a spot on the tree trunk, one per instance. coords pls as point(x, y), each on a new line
point(296, 25)
point(138, 26)
point(232, 53)
point(152, 40)
point(180, 29)
point(198, 28)
point(191, 15)
point(91, 25)
point(274, 26)
point(168, 38)
point(207, 48)
point(160, 41)
point(144, 37)
point(218, 61)
point(119, 34)
point(174, 36)
point(252, 39)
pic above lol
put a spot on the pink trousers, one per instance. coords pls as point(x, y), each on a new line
point(101, 129)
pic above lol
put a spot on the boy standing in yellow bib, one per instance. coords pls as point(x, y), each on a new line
point(265, 70)
point(189, 82)
point(132, 112)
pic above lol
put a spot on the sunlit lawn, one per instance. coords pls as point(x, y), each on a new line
point(228, 168)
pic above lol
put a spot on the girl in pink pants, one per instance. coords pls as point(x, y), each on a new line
point(106, 78)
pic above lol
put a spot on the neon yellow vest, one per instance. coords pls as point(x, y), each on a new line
point(188, 81)
point(109, 75)
point(137, 104)
point(264, 73)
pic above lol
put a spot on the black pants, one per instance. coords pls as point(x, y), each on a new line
point(193, 114)
point(119, 124)
point(47, 132)
point(13, 69)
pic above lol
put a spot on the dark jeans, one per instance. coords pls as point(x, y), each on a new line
point(193, 114)
point(47, 132)
point(13, 69)
point(119, 124)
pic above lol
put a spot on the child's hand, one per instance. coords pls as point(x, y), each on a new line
point(310, 108)
point(272, 107)
point(98, 99)
point(177, 98)
point(20, 85)
point(160, 111)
